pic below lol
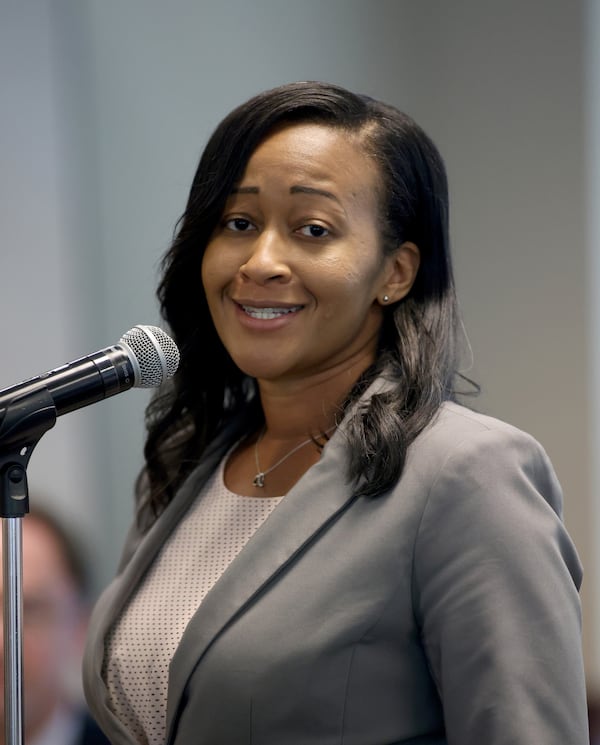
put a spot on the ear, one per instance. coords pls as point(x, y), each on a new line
point(401, 271)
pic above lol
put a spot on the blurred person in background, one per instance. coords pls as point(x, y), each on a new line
point(55, 614)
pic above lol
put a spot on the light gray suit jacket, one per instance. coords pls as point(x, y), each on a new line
point(445, 611)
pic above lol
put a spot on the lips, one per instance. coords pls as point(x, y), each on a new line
point(269, 313)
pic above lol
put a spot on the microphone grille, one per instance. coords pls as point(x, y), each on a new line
point(155, 353)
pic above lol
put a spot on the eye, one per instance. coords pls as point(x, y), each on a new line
point(238, 224)
point(314, 231)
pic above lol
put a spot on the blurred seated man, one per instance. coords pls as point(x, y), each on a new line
point(55, 608)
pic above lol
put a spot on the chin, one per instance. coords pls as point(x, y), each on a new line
point(261, 372)
point(263, 369)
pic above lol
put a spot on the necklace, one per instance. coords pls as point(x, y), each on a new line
point(259, 479)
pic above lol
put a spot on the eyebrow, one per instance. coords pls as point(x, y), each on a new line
point(313, 190)
point(293, 190)
point(245, 190)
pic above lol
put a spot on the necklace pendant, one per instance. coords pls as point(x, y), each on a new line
point(259, 479)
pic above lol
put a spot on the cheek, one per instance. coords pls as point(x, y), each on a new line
point(354, 280)
point(334, 274)
point(207, 270)
point(219, 268)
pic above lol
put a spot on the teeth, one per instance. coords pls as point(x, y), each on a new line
point(269, 313)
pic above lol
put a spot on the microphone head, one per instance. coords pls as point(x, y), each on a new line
point(154, 355)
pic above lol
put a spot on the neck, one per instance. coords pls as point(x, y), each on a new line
point(309, 406)
point(294, 411)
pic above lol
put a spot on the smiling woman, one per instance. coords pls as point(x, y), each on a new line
point(330, 548)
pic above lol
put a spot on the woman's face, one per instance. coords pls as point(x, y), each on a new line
point(293, 272)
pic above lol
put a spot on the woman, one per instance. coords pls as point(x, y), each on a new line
point(329, 548)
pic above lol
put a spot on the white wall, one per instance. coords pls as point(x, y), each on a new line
point(108, 105)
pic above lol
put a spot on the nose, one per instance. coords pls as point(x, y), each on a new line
point(266, 261)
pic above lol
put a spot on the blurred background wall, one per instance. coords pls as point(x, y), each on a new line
point(106, 105)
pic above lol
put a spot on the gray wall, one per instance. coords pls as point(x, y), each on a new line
point(106, 106)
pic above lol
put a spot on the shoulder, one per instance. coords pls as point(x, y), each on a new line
point(140, 531)
point(456, 423)
point(488, 489)
point(479, 449)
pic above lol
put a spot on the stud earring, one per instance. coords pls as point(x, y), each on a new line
point(385, 299)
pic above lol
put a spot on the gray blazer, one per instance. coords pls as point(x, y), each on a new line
point(445, 611)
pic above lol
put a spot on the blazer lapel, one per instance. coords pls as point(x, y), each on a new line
point(318, 497)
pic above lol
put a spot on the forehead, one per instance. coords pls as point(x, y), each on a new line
point(315, 152)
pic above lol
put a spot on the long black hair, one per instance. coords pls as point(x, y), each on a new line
point(418, 341)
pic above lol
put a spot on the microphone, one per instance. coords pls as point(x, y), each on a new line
point(144, 357)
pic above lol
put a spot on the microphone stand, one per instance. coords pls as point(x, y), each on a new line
point(22, 424)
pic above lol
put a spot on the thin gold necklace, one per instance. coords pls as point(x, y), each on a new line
point(259, 479)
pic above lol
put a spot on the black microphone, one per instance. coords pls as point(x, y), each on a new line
point(144, 357)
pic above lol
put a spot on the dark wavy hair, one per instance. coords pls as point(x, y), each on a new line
point(418, 341)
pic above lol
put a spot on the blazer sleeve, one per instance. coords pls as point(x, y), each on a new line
point(496, 580)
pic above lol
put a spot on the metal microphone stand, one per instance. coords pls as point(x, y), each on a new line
point(22, 424)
